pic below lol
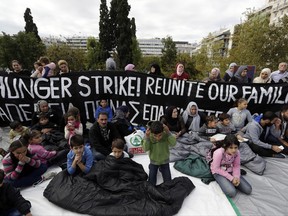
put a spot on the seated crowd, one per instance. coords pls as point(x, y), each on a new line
point(66, 142)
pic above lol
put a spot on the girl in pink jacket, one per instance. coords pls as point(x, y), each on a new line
point(225, 167)
point(35, 147)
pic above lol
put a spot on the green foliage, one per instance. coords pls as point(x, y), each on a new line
point(74, 57)
point(249, 39)
point(30, 26)
point(169, 54)
point(23, 47)
point(136, 52)
point(119, 12)
point(146, 61)
point(201, 59)
point(255, 42)
point(8, 46)
point(105, 31)
point(274, 44)
point(94, 59)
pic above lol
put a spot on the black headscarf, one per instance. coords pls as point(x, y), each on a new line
point(157, 70)
point(168, 116)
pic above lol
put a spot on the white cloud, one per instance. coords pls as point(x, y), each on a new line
point(183, 20)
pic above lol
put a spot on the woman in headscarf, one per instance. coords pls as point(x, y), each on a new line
point(214, 76)
point(155, 70)
point(264, 76)
point(241, 75)
point(43, 108)
point(180, 73)
point(174, 121)
point(229, 73)
point(192, 118)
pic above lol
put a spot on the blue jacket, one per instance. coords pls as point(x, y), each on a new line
point(87, 159)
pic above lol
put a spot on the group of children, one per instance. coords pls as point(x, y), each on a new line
point(28, 160)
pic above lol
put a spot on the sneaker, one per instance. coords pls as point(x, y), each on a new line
point(280, 155)
point(243, 172)
point(48, 175)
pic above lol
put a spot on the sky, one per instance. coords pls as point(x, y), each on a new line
point(183, 20)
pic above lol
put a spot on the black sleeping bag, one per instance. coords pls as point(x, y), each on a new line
point(117, 187)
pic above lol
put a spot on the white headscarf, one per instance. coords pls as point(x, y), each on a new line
point(228, 71)
point(259, 78)
point(195, 125)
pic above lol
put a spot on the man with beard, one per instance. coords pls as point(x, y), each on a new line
point(258, 131)
point(101, 135)
point(280, 128)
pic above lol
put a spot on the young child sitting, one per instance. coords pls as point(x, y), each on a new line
point(44, 125)
point(209, 129)
point(118, 149)
point(35, 147)
point(224, 125)
point(21, 167)
point(79, 158)
point(46, 157)
point(17, 130)
point(12, 202)
point(103, 107)
point(157, 141)
point(240, 114)
point(225, 167)
point(73, 126)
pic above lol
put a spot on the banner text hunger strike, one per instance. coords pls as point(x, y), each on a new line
point(147, 96)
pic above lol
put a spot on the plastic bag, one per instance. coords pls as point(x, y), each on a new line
point(133, 142)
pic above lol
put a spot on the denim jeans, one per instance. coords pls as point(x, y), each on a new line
point(30, 179)
point(275, 141)
point(153, 169)
point(229, 189)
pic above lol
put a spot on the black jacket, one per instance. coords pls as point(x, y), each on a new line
point(11, 198)
point(97, 140)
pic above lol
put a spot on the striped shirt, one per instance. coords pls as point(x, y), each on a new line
point(12, 171)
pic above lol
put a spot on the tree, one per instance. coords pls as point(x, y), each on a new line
point(23, 47)
point(274, 44)
point(75, 57)
point(105, 31)
point(7, 50)
point(30, 25)
point(94, 55)
point(119, 12)
point(136, 52)
point(146, 61)
point(169, 54)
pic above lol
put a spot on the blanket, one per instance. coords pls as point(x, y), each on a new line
point(197, 166)
point(191, 143)
point(117, 187)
